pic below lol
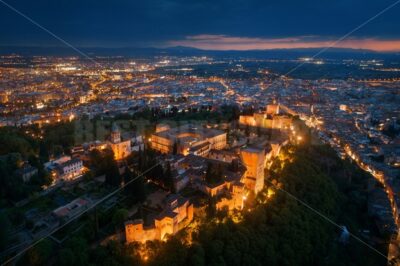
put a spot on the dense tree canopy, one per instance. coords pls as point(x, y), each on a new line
point(103, 163)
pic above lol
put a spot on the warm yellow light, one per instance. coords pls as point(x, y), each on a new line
point(270, 193)
point(299, 138)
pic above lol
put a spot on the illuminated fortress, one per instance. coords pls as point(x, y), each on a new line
point(188, 140)
point(177, 213)
point(272, 117)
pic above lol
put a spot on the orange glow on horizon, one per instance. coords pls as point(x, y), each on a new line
point(223, 42)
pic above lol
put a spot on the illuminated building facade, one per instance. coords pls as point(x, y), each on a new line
point(4, 97)
point(254, 159)
point(272, 117)
point(121, 149)
point(65, 168)
point(188, 140)
point(230, 191)
point(235, 200)
point(177, 213)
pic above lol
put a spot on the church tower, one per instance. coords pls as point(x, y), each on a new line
point(115, 134)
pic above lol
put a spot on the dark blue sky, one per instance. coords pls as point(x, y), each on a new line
point(196, 22)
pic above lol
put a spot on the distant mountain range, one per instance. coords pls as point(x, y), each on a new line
point(189, 51)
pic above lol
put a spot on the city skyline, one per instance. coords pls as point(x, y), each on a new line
point(184, 132)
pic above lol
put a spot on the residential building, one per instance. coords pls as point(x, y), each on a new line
point(65, 168)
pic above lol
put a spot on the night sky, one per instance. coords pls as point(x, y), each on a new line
point(206, 24)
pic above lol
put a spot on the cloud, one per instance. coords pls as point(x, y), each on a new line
point(224, 42)
point(139, 23)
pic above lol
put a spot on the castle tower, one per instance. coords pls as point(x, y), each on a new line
point(134, 231)
point(272, 109)
point(254, 160)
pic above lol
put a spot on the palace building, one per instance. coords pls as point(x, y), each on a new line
point(188, 140)
point(191, 171)
point(273, 117)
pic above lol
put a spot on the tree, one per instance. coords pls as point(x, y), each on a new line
point(5, 227)
point(214, 173)
point(43, 152)
point(259, 131)
point(79, 248)
point(104, 163)
point(167, 254)
point(211, 210)
point(39, 254)
point(168, 179)
point(197, 257)
point(119, 218)
point(136, 190)
point(209, 172)
point(66, 257)
point(247, 130)
point(113, 177)
point(234, 165)
point(175, 148)
point(116, 254)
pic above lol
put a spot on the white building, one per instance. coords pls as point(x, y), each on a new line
point(65, 168)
